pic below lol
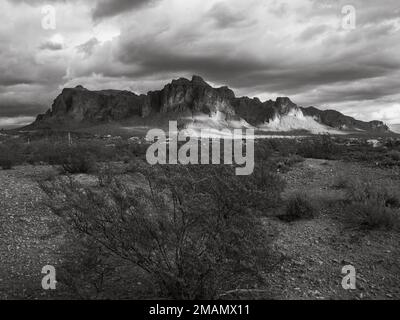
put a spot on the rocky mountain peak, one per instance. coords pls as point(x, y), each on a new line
point(284, 105)
point(197, 80)
point(183, 99)
point(80, 87)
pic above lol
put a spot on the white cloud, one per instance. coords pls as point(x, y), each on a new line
point(15, 122)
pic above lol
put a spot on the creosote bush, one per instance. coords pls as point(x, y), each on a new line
point(196, 231)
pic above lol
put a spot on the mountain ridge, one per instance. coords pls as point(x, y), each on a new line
point(195, 104)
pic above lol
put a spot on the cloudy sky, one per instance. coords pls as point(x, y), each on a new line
point(303, 49)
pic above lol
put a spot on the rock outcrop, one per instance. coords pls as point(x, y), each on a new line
point(188, 98)
point(81, 105)
point(339, 121)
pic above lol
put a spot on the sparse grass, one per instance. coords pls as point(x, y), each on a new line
point(299, 207)
point(284, 164)
point(342, 181)
point(371, 206)
point(371, 215)
point(48, 175)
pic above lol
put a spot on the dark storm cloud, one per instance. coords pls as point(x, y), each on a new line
point(243, 70)
point(110, 8)
point(151, 58)
point(260, 47)
point(331, 85)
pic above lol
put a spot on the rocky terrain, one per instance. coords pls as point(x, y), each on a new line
point(189, 101)
point(313, 252)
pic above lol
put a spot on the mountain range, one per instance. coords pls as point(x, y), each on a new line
point(195, 105)
point(395, 128)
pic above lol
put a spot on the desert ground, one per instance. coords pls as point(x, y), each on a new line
point(308, 252)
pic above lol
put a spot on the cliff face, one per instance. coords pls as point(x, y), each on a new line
point(181, 96)
point(338, 120)
point(189, 97)
point(81, 105)
point(194, 96)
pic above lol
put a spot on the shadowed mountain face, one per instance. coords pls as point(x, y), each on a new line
point(190, 99)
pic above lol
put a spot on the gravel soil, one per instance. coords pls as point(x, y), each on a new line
point(313, 252)
point(316, 250)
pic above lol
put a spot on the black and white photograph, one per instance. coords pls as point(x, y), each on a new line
point(199, 150)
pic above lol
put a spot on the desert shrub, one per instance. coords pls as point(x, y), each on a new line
point(284, 147)
point(85, 269)
point(392, 144)
point(371, 206)
point(44, 151)
point(382, 156)
point(299, 207)
point(293, 159)
point(321, 147)
point(48, 175)
point(55, 151)
point(194, 230)
point(6, 163)
point(262, 151)
point(394, 155)
point(392, 201)
point(285, 164)
point(74, 163)
point(342, 181)
point(360, 190)
point(137, 149)
point(9, 156)
point(372, 215)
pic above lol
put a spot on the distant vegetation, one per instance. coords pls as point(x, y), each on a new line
point(54, 148)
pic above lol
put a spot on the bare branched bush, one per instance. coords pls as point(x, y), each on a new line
point(194, 230)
